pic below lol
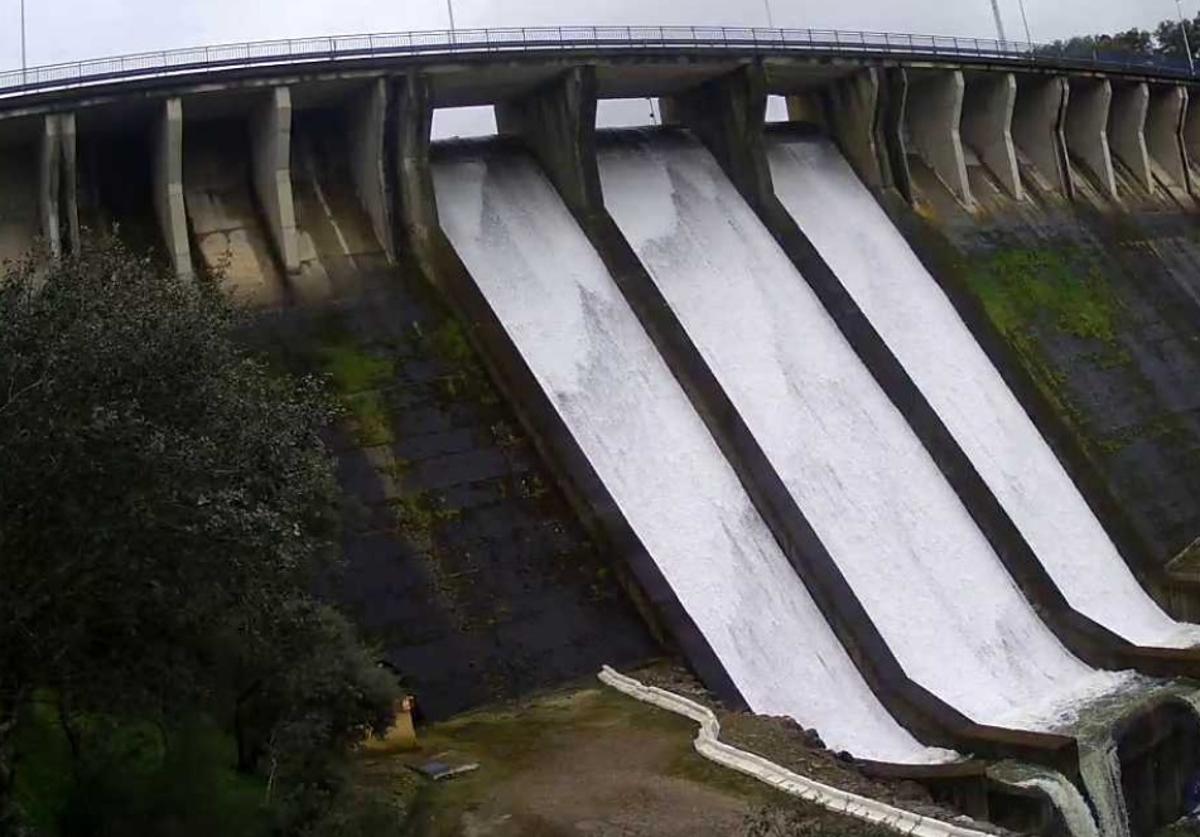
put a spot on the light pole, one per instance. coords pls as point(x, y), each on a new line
point(1187, 47)
point(999, 22)
point(450, 12)
point(770, 19)
point(1025, 20)
point(24, 60)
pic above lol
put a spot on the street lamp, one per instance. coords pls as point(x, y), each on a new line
point(1183, 31)
point(770, 20)
point(999, 22)
point(1025, 20)
point(24, 61)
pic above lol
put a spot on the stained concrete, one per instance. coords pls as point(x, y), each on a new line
point(1127, 130)
point(935, 109)
point(987, 120)
point(49, 185)
point(19, 215)
point(1164, 134)
point(69, 181)
point(232, 237)
point(558, 122)
point(1088, 105)
point(852, 109)
point(167, 142)
point(368, 117)
point(1039, 117)
point(271, 147)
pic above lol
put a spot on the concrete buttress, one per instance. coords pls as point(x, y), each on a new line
point(271, 140)
point(1087, 129)
point(49, 183)
point(368, 117)
point(987, 122)
point(1038, 127)
point(1164, 134)
point(935, 108)
point(167, 143)
point(1127, 130)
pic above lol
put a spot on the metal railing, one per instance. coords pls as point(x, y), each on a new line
point(541, 39)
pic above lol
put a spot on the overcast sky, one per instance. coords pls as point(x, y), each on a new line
point(63, 30)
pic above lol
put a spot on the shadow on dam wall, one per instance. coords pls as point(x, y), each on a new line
point(463, 561)
point(1099, 307)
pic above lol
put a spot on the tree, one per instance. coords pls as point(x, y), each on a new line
point(166, 506)
point(1169, 39)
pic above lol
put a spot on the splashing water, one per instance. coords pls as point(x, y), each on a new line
point(1066, 798)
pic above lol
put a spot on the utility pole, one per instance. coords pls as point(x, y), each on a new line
point(999, 22)
point(1187, 47)
point(770, 19)
point(450, 12)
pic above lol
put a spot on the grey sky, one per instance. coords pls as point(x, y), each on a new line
point(62, 30)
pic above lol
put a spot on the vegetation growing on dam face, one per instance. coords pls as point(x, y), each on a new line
point(166, 507)
point(1022, 287)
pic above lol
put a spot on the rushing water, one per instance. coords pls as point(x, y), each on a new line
point(909, 310)
point(1066, 798)
point(639, 431)
point(910, 550)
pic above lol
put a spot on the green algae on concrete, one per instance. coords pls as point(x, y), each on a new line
point(357, 377)
point(1021, 287)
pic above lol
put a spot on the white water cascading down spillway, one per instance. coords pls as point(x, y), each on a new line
point(618, 398)
point(926, 575)
point(912, 314)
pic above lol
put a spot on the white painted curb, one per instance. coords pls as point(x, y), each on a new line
point(707, 744)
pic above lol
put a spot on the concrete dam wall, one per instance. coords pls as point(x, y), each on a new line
point(857, 414)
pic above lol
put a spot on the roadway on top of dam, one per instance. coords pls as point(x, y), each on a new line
point(267, 59)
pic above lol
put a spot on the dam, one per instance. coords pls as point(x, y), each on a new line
point(717, 388)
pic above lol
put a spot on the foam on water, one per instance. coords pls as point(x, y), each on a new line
point(655, 456)
point(909, 310)
point(923, 570)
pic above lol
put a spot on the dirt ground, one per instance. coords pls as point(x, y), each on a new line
point(585, 761)
point(588, 761)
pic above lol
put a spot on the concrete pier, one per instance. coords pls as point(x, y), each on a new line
point(852, 108)
point(368, 118)
point(69, 182)
point(935, 108)
point(557, 121)
point(49, 184)
point(987, 120)
point(167, 143)
point(271, 148)
point(1191, 140)
point(410, 126)
point(1127, 130)
point(1087, 129)
point(1164, 134)
point(1039, 117)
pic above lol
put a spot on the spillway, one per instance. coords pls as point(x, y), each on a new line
point(908, 309)
point(924, 572)
point(635, 424)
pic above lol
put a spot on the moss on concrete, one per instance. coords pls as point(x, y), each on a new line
point(1022, 287)
point(358, 376)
